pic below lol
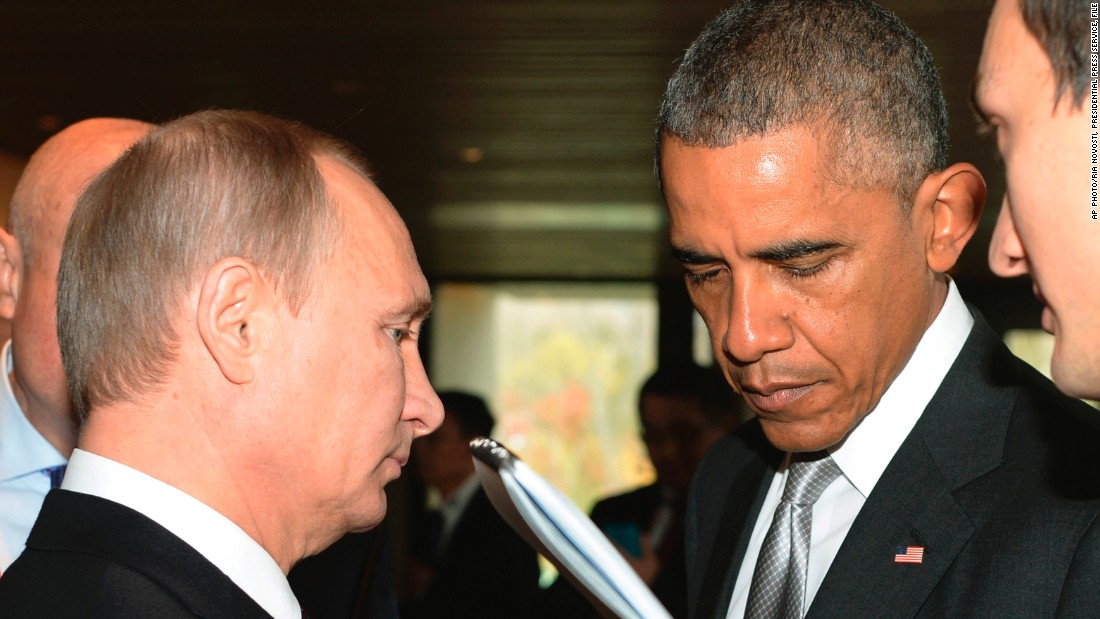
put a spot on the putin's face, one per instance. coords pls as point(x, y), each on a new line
point(362, 388)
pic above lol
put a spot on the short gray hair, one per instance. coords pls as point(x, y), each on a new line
point(204, 187)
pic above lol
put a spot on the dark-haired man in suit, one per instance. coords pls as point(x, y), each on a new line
point(683, 409)
point(467, 561)
point(903, 463)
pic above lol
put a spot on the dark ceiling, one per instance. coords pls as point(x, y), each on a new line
point(514, 136)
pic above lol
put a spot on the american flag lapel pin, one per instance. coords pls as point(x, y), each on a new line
point(909, 554)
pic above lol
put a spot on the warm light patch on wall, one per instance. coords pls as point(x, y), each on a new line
point(561, 365)
point(1031, 345)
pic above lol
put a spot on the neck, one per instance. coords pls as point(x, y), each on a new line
point(57, 427)
point(172, 446)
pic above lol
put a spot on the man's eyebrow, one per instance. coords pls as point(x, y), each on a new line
point(791, 250)
point(984, 125)
point(417, 310)
point(686, 255)
point(422, 309)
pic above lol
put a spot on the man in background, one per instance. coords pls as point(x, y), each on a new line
point(466, 560)
point(902, 462)
point(38, 427)
point(1030, 90)
point(238, 310)
point(683, 409)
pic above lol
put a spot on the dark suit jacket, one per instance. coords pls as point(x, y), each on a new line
point(638, 506)
point(486, 570)
point(90, 557)
point(998, 481)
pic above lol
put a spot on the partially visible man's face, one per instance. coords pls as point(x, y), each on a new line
point(815, 295)
point(37, 357)
point(443, 459)
point(355, 365)
point(58, 172)
point(1045, 227)
point(676, 437)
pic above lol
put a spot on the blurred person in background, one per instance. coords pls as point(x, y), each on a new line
point(466, 561)
point(38, 427)
point(683, 409)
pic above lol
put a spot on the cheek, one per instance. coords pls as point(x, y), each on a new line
point(831, 334)
point(1043, 170)
point(845, 324)
point(38, 307)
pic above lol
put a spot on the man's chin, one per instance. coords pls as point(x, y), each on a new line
point(799, 436)
point(368, 515)
point(1076, 373)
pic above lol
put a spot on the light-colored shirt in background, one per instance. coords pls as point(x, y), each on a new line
point(24, 457)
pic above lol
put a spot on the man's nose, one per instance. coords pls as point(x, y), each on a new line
point(758, 322)
point(1007, 256)
point(422, 405)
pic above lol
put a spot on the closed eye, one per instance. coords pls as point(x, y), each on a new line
point(803, 272)
point(698, 278)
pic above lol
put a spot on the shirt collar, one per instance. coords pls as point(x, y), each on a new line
point(210, 533)
point(461, 497)
point(867, 450)
point(24, 450)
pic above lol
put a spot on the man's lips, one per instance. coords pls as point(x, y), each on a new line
point(1047, 318)
point(774, 397)
point(1038, 293)
point(402, 458)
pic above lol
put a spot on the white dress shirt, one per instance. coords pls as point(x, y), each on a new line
point(214, 536)
point(24, 456)
point(865, 453)
point(452, 509)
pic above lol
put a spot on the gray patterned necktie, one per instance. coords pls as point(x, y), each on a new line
point(779, 582)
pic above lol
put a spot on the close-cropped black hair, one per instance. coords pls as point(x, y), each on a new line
point(848, 70)
point(469, 411)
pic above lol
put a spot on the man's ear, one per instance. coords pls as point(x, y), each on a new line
point(947, 209)
point(11, 273)
point(234, 308)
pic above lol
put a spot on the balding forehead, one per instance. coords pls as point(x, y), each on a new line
point(61, 169)
point(64, 165)
point(90, 146)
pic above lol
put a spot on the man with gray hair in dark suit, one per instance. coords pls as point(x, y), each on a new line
point(238, 311)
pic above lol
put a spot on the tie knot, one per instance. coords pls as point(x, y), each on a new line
point(56, 474)
point(808, 476)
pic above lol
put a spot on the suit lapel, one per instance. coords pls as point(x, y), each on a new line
point(747, 491)
point(959, 437)
point(925, 514)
